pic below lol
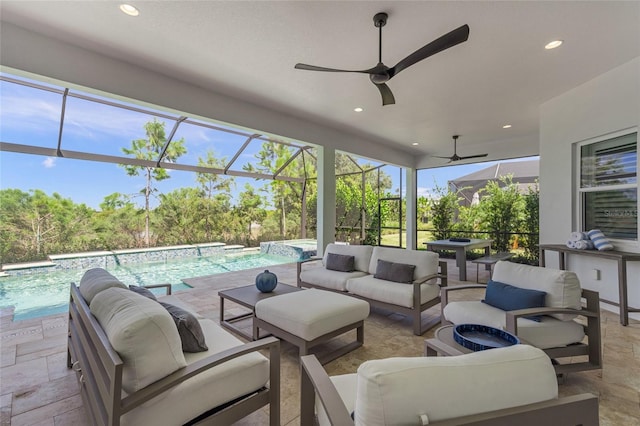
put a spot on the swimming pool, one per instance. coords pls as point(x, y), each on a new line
point(48, 293)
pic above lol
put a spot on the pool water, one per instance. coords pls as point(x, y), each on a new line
point(48, 293)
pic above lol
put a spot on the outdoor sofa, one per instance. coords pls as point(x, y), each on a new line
point(405, 281)
point(136, 364)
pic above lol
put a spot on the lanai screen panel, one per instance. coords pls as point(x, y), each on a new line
point(30, 116)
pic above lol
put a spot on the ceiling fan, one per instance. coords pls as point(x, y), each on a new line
point(455, 156)
point(381, 73)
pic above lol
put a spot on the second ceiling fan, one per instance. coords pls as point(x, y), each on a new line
point(381, 73)
point(455, 156)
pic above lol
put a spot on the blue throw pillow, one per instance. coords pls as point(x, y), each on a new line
point(510, 298)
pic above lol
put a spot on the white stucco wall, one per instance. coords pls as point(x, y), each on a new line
point(606, 104)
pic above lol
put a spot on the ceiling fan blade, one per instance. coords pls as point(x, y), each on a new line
point(457, 36)
point(473, 156)
point(387, 96)
point(437, 156)
point(316, 68)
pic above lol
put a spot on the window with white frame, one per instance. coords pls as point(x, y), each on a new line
point(608, 193)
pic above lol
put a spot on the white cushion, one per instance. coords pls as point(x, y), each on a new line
point(390, 292)
point(562, 287)
point(94, 281)
point(346, 386)
point(207, 390)
point(333, 280)
point(397, 391)
point(142, 332)
point(312, 313)
point(426, 262)
point(548, 333)
point(361, 254)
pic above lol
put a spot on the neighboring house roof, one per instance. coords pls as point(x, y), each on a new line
point(523, 173)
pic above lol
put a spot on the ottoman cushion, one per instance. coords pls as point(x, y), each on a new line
point(311, 313)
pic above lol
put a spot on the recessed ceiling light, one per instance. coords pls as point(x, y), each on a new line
point(553, 44)
point(415, 144)
point(506, 126)
point(358, 109)
point(129, 10)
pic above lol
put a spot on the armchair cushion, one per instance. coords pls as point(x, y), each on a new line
point(509, 298)
point(340, 262)
point(562, 287)
point(401, 390)
point(142, 332)
point(394, 271)
point(548, 333)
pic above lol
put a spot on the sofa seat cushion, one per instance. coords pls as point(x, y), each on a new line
point(220, 384)
point(346, 386)
point(391, 292)
point(426, 262)
point(361, 254)
point(142, 332)
point(548, 333)
point(311, 313)
point(94, 281)
point(326, 278)
point(562, 287)
point(398, 391)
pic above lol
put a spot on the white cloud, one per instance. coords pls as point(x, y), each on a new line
point(49, 162)
point(425, 192)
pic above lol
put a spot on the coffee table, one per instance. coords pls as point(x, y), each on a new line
point(248, 296)
point(444, 344)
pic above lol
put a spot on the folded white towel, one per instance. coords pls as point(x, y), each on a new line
point(571, 244)
point(599, 240)
point(583, 245)
point(577, 236)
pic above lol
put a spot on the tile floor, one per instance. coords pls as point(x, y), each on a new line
point(36, 388)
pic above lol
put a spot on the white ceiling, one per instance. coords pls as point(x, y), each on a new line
point(247, 50)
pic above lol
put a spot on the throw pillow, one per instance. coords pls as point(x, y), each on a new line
point(143, 291)
point(340, 262)
point(396, 272)
point(599, 240)
point(189, 329)
point(510, 298)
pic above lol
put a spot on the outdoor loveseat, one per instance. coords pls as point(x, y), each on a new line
point(405, 281)
point(136, 364)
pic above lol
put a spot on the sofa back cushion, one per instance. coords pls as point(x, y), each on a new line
point(94, 281)
point(426, 262)
point(361, 254)
point(142, 332)
point(562, 287)
point(397, 391)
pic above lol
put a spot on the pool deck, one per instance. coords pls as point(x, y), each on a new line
point(36, 388)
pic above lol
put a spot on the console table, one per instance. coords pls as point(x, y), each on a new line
point(620, 256)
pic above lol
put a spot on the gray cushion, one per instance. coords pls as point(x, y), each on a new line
point(340, 262)
point(143, 291)
point(392, 271)
point(96, 280)
point(189, 329)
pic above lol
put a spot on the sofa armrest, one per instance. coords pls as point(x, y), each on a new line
point(315, 381)
point(143, 395)
point(299, 268)
point(167, 287)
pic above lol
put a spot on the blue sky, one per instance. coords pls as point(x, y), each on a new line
point(31, 117)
